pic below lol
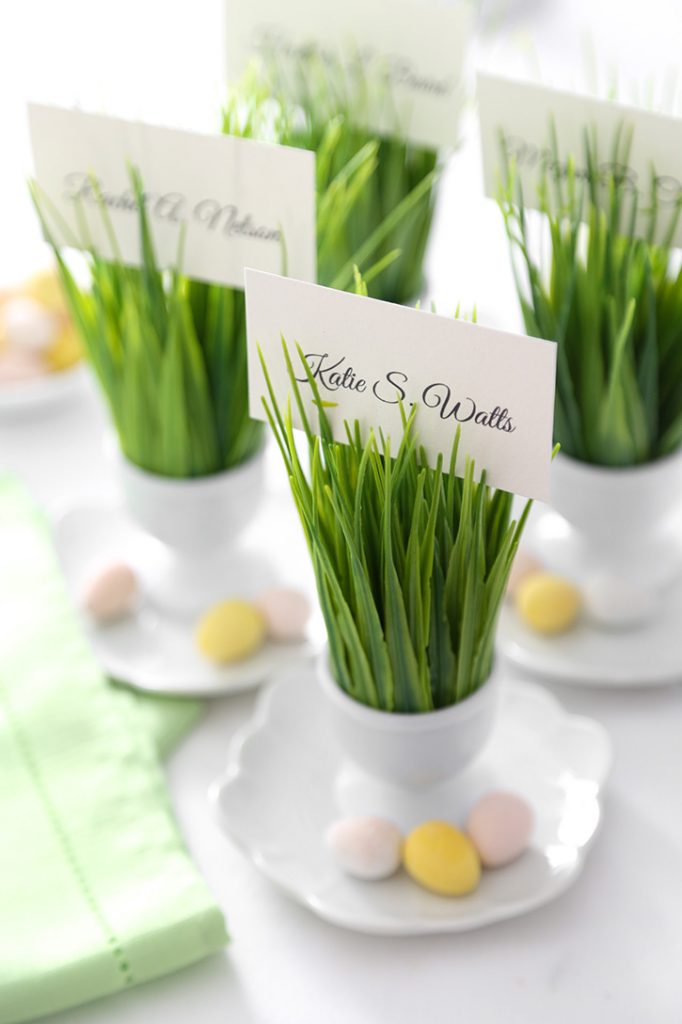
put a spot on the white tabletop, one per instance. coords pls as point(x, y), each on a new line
point(609, 950)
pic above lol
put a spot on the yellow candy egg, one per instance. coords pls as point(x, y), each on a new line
point(45, 287)
point(65, 351)
point(230, 631)
point(547, 603)
point(442, 859)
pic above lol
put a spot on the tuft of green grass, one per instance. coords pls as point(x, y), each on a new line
point(612, 302)
point(411, 562)
point(169, 353)
point(392, 213)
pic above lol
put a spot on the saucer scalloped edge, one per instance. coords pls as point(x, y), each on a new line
point(286, 781)
point(152, 649)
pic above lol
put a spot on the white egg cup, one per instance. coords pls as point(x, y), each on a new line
point(621, 522)
point(197, 524)
point(410, 751)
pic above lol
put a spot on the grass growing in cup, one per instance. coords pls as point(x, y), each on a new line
point(169, 354)
point(411, 562)
point(612, 302)
point(396, 188)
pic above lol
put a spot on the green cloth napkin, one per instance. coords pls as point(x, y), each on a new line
point(97, 892)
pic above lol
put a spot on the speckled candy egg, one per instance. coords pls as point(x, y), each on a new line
point(27, 324)
point(617, 603)
point(230, 631)
point(500, 825)
point(547, 603)
point(442, 859)
point(110, 593)
point(524, 565)
point(365, 847)
point(286, 612)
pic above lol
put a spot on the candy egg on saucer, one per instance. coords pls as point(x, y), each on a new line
point(46, 289)
point(20, 364)
point(617, 603)
point(547, 603)
point(441, 858)
point(286, 612)
point(27, 324)
point(524, 565)
point(65, 351)
point(365, 847)
point(110, 593)
point(500, 826)
point(230, 631)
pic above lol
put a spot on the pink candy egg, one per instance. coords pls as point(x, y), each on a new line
point(286, 612)
point(500, 826)
point(18, 364)
point(27, 324)
point(110, 593)
point(365, 847)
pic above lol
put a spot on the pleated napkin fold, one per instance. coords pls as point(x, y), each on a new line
point(97, 891)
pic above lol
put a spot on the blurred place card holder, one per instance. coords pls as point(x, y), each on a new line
point(369, 356)
point(411, 54)
point(240, 202)
point(518, 118)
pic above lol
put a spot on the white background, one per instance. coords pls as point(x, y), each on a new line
point(610, 949)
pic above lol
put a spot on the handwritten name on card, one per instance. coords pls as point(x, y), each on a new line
point(410, 53)
point(369, 356)
point(517, 118)
point(239, 202)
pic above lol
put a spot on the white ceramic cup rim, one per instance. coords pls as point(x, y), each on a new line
point(640, 469)
point(396, 721)
point(197, 485)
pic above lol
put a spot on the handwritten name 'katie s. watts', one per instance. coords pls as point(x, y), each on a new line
point(333, 375)
point(171, 207)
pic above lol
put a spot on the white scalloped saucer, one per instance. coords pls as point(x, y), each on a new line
point(286, 782)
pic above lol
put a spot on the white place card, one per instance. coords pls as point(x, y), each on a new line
point(241, 203)
point(368, 356)
point(519, 116)
point(412, 53)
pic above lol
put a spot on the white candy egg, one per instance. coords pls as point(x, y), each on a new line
point(499, 826)
point(617, 603)
point(110, 593)
point(27, 324)
point(365, 847)
point(286, 612)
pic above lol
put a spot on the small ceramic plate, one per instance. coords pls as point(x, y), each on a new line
point(286, 781)
point(38, 393)
point(153, 649)
point(649, 654)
